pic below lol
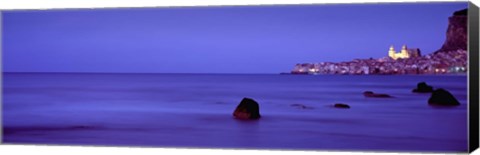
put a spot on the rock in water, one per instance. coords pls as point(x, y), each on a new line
point(301, 106)
point(341, 105)
point(371, 94)
point(442, 97)
point(247, 109)
point(422, 87)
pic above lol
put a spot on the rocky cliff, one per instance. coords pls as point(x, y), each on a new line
point(456, 32)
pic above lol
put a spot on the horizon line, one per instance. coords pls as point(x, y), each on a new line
point(21, 72)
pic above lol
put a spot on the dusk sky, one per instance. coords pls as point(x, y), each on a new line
point(235, 39)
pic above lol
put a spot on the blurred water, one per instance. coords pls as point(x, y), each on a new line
point(195, 110)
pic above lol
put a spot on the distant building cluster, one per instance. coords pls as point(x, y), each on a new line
point(408, 61)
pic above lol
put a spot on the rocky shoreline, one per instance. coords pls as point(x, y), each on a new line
point(249, 109)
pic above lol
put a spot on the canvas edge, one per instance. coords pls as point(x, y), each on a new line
point(1, 77)
point(276, 4)
point(473, 78)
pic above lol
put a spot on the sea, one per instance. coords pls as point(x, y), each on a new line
point(195, 111)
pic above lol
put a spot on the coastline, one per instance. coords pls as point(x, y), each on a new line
point(456, 74)
point(282, 73)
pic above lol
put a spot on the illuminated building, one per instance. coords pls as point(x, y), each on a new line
point(402, 55)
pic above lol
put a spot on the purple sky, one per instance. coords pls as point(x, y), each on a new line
point(239, 39)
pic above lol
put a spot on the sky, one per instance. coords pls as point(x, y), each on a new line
point(228, 39)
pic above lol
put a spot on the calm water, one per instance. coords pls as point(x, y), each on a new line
point(195, 110)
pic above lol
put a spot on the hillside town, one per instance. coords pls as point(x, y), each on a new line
point(408, 61)
point(451, 58)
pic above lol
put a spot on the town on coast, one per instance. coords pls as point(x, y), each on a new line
point(451, 58)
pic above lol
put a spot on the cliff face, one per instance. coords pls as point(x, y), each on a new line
point(456, 32)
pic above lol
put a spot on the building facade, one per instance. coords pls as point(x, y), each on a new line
point(402, 55)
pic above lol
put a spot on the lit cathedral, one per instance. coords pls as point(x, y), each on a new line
point(404, 53)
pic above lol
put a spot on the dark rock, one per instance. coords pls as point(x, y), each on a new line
point(371, 94)
point(301, 106)
point(341, 105)
point(442, 97)
point(247, 109)
point(422, 87)
point(456, 32)
point(463, 12)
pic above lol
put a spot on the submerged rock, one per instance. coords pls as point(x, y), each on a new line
point(442, 97)
point(422, 87)
point(301, 106)
point(341, 105)
point(247, 109)
point(371, 94)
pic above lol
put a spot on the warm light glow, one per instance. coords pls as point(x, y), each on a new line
point(394, 55)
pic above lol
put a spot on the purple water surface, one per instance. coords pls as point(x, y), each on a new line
point(195, 110)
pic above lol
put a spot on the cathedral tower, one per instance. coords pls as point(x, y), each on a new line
point(391, 52)
point(404, 52)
